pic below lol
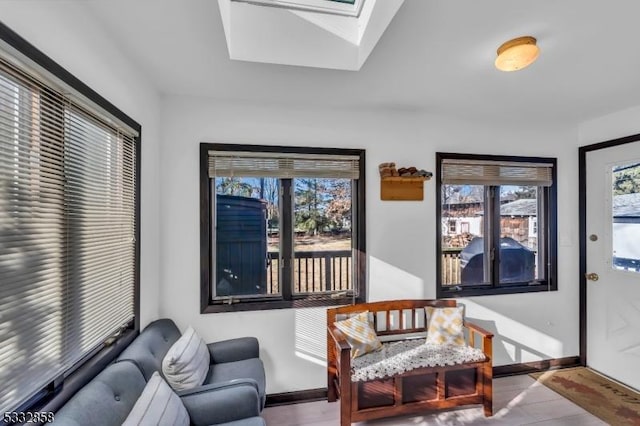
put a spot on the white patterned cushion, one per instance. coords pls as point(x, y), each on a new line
point(359, 333)
point(157, 405)
point(399, 357)
point(186, 364)
point(444, 325)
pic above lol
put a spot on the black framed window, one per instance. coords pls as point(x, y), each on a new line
point(69, 229)
point(281, 227)
point(496, 224)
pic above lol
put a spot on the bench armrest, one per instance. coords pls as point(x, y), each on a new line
point(339, 338)
point(234, 350)
point(221, 403)
point(487, 338)
point(473, 327)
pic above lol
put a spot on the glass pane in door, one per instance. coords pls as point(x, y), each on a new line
point(626, 217)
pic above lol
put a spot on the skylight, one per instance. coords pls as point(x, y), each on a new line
point(342, 33)
point(334, 7)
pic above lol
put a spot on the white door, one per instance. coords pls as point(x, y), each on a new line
point(613, 262)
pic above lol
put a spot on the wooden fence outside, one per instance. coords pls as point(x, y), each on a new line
point(451, 270)
point(318, 271)
point(314, 271)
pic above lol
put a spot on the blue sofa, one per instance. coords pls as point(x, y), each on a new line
point(109, 397)
point(231, 360)
point(233, 393)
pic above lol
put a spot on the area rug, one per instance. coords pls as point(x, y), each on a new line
point(605, 399)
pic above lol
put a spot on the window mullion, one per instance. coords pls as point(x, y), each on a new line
point(494, 239)
point(286, 240)
point(543, 203)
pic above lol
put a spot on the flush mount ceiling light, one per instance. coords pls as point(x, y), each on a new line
point(517, 54)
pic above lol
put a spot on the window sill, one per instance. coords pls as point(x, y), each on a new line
point(492, 291)
point(54, 399)
point(263, 305)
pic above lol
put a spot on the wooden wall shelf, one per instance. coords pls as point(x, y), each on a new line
point(402, 188)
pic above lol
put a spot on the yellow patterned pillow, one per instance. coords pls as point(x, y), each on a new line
point(444, 325)
point(360, 334)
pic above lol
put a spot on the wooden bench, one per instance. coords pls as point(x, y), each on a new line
point(415, 391)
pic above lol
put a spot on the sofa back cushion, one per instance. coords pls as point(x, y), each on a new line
point(106, 400)
point(148, 349)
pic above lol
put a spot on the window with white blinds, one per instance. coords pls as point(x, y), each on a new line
point(283, 165)
point(488, 172)
point(67, 232)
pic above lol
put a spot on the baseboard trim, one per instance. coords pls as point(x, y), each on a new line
point(309, 395)
point(297, 397)
point(537, 366)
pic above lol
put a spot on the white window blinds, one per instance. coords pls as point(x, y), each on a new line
point(283, 165)
point(67, 230)
point(487, 172)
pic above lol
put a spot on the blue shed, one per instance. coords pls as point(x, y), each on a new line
point(241, 246)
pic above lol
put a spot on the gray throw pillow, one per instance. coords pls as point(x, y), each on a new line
point(186, 364)
point(157, 405)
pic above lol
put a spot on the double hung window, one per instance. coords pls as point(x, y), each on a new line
point(280, 226)
point(508, 208)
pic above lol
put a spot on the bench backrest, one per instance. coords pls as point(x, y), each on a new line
point(391, 317)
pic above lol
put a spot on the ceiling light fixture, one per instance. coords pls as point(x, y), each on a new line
point(516, 54)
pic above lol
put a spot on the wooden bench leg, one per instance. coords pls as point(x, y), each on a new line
point(331, 388)
point(345, 403)
point(487, 392)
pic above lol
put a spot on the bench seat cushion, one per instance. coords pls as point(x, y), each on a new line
point(396, 358)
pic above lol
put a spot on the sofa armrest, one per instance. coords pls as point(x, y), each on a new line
point(234, 349)
point(221, 403)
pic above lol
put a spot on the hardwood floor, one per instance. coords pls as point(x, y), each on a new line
point(518, 400)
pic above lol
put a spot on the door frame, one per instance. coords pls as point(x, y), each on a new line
point(582, 205)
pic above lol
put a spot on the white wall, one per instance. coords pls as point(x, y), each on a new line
point(612, 126)
point(68, 33)
point(400, 235)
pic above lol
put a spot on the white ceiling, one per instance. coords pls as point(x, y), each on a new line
point(436, 56)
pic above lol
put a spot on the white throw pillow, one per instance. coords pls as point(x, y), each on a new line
point(157, 405)
point(186, 364)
